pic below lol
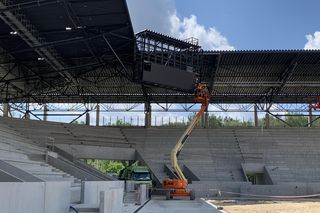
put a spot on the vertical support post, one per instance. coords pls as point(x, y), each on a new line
point(98, 115)
point(267, 120)
point(202, 122)
point(206, 119)
point(147, 114)
point(27, 115)
point(45, 112)
point(6, 109)
point(310, 117)
point(88, 118)
point(256, 120)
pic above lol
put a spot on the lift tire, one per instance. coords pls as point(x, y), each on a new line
point(192, 195)
point(168, 196)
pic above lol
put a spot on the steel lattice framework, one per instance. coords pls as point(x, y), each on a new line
point(82, 51)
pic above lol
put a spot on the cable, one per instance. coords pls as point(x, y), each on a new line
point(267, 196)
point(74, 209)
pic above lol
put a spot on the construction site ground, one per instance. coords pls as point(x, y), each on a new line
point(158, 204)
point(253, 206)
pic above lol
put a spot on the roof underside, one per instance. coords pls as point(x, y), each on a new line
point(83, 51)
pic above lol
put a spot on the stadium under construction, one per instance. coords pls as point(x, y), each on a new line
point(86, 54)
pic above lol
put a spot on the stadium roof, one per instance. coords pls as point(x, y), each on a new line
point(84, 51)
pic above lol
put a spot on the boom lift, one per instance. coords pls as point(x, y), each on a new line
point(178, 187)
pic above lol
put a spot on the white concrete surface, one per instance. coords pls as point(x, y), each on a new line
point(17, 197)
point(111, 201)
point(36, 197)
point(142, 194)
point(57, 196)
point(129, 186)
point(181, 205)
point(92, 190)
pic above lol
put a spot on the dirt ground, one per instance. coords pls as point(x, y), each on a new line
point(232, 206)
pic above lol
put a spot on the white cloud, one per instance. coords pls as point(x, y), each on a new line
point(210, 38)
point(313, 41)
point(161, 16)
point(151, 14)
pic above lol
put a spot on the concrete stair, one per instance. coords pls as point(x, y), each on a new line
point(17, 151)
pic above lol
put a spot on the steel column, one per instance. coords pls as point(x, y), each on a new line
point(267, 120)
point(147, 113)
point(45, 112)
point(6, 109)
point(98, 115)
point(255, 114)
point(310, 117)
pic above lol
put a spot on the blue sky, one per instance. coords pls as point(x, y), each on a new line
point(244, 24)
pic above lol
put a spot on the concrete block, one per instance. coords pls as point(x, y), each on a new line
point(142, 194)
point(111, 201)
point(275, 190)
point(52, 154)
point(57, 196)
point(35, 197)
point(92, 189)
point(22, 197)
point(129, 186)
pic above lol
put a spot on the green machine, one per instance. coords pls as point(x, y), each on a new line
point(138, 174)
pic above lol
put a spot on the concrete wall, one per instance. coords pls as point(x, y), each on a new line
point(36, 197)
point(283, 189)
point(143, 194)
point(99, 152)
point(92, 189)
point(111, 201)
point(216, 188)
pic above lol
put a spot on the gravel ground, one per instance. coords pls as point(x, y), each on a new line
point(232, 206)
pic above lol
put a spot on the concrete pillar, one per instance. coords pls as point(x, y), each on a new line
point(88, 118)
point(201, 121)
point(147, 114)
point(98, 115)
point(6, 109)
point(255, 114)
point(45, 112)
point(310, 118)
point(204, 120)
point(267, 120)
point(27, 115)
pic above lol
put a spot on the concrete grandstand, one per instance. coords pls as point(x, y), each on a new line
point(103, 61)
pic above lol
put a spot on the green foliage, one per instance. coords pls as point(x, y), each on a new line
point(79, 122)
point(121, 123)
point(215, 121)
point(294, 120)
point(106, 166)
point(230, 122)
point(297, 121)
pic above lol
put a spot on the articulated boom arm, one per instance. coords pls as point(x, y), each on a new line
point(202, 96)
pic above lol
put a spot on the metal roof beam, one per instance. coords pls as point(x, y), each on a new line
point(282, 80)
point(213, 73)
point(9, 70)
point(23, 27)
point(27, 5)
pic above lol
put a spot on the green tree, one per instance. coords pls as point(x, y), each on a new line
point(215, 121)
point(120, 122)
point(106, 166)
point(230, 122)
point(297, 120)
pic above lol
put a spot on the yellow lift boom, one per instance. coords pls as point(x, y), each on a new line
point(178, 187)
